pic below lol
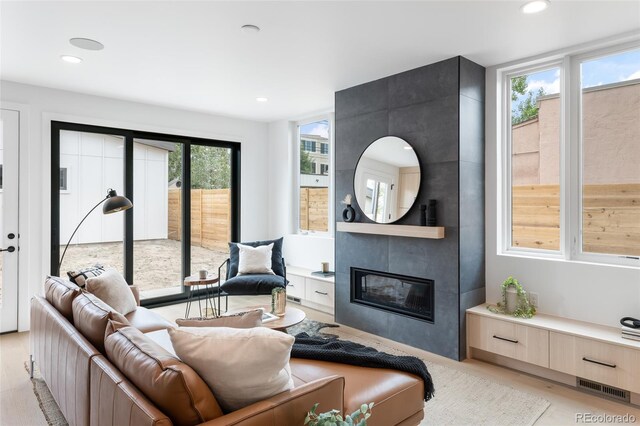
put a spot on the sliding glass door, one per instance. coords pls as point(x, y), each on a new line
point(185, 194)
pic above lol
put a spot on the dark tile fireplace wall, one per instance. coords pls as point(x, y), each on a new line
point(439, 110)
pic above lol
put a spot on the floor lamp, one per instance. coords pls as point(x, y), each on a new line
point(114, 203)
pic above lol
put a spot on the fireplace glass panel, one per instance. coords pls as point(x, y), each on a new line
point(396, 293)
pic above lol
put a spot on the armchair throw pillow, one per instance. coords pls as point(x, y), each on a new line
point(254, 260)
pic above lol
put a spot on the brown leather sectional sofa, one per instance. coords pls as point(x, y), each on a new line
point(90, 390)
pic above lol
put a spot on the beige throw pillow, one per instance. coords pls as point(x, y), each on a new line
point(112, 289)
point(254, 260)
point(241, 366)
point(241, 320)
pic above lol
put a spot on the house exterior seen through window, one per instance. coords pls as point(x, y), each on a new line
point(314, 177)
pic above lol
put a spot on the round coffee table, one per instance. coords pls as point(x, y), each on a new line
point(291, 317)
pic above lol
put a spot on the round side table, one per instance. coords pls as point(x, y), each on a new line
point(194, 282)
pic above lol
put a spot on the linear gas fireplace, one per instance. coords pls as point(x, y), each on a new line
point(401, 294)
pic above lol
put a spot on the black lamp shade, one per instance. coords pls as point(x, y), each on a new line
point(116, 203)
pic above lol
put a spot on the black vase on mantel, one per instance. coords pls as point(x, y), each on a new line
point(431, 213)
point(348, 214)
point(423, 215)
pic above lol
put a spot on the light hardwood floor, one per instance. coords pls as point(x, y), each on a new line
point(18, 405)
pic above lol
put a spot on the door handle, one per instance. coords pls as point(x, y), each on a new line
point(324, 294)
point(10, 249)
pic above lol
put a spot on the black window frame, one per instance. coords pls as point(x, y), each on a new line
point(129, 135)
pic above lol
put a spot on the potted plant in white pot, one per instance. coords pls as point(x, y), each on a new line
point(515, 301)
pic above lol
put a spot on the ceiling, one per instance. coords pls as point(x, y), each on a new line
point(193, 55)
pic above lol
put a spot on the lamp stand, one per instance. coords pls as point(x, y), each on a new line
point(76, 230)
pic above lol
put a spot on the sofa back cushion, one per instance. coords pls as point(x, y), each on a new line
point(169, 383)
point(60, 294)
point(91, 316)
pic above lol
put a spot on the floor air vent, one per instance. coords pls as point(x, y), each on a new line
point(603, 390)
point(294, 299)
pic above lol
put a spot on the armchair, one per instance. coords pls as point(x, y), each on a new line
point(251, 284)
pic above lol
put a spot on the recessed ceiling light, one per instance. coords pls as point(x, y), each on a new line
point(71, 59)
point(408, 148)
point(261, 99)
point(86, 43)
point(534, 6)
point(250, 28)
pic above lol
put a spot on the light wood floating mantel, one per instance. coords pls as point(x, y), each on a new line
point(433, 232)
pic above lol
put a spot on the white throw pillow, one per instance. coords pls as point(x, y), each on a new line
point(112, 289)
point(240, 365)
point(254, 260)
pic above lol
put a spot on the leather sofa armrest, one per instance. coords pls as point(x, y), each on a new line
point(136, 293)
point(290, 407)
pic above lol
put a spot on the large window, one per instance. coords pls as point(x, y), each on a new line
point(314, 176)
point(571, 158)
point(535, 159)
point(610, 142)
point(185, 205)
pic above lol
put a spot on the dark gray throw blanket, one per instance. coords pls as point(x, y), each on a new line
point(351, 353)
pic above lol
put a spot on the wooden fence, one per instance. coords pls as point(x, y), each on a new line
point(210, 217)
point(314, 209)
point(611, 218)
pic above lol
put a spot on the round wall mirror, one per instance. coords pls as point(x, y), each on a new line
point(387, 179)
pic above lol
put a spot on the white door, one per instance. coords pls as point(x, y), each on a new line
point(10, 123)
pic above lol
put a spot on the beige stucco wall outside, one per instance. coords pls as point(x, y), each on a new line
point(611, 138)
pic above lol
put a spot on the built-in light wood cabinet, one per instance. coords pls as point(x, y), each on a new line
point(528, 344)
point(575, 349)
point(595, 360)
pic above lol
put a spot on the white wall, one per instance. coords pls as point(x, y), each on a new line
point(41, 105)
point(306, 251)
point(150, 192)
point(589, 292)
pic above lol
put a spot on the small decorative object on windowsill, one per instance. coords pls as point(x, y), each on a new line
point(348, 214)
point(278, 301)
point(515, 301)
point(333, 417)
point(431, 213)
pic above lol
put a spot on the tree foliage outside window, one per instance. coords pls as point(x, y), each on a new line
point(306, 164)
point(210, 166)
point(523, 109)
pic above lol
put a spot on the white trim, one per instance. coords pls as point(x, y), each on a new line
point(569, 61)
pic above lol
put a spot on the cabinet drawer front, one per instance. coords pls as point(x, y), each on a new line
point(319, 292)
point(528, 344)
point(296, 286)
point(599, 361)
